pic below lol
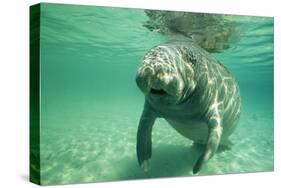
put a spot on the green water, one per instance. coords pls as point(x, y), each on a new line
point(90, 104)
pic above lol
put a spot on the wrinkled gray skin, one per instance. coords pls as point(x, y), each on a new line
point(195, 93)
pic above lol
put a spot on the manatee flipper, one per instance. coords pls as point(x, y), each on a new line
point(144, 142)
point(225, 146)
point(213, 140)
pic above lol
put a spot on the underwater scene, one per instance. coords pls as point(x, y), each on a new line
point(91, 104)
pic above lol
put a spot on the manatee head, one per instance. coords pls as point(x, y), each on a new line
point(166, 76)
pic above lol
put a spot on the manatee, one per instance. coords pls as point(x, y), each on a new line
point(193, 92)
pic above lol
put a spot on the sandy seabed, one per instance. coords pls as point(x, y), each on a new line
point(102, 148)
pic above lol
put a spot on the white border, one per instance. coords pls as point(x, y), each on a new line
point(14, 90)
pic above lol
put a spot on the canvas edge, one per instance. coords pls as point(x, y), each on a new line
point(34, 94)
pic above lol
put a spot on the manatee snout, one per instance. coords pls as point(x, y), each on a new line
point(143, 78)
point(157, 79)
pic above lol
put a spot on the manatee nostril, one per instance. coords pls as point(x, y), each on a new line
point(158, 68)
point(148, 71)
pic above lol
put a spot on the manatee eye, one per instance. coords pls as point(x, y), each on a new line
point(189, 56)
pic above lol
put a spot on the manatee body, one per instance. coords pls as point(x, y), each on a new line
point(193, 92)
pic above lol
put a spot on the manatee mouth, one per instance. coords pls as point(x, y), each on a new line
point(157, 91)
